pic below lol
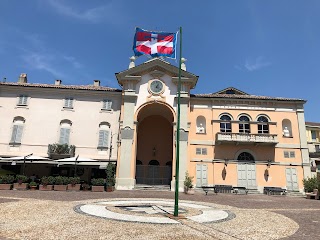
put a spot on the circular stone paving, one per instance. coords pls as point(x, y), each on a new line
point(153, 211)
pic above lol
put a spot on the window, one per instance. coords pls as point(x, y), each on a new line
point(65, 128)
point(317, 147)
point(289, 154)
point(201, 124)
point(225, 124)
point(201, 151)
point(245, 156)
point(106, 104)
point(17, 130)
point(313, 136)
point(244, 125)
point(263, 126)
point(23, 100)
point(104, 129)
point(68, 103)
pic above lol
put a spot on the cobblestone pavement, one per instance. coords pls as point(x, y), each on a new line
point(304, 212)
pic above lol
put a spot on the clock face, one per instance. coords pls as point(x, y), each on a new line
point(156, 86)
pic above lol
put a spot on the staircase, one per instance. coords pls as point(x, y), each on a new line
point(152, 187)
point(253, 191)
point(295, 194)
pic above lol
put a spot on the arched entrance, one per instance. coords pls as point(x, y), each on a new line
point(154, 145)
point(246, 170)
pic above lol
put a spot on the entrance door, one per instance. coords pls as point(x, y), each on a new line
point(247, 175)
point(292, 179)
point(201, 174)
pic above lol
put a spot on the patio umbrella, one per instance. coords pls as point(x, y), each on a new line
point(79, 161)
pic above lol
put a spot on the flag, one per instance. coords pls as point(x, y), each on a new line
point(154, 43)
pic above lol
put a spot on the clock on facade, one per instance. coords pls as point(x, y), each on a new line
point(156, 86)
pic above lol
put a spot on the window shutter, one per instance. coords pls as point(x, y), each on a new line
point(68, 103)
point(107, 104)
point(103, 138)
point(292, 155)
point(23, 100)
point(198, 151)
point(19, 134)
point(64, 135)
point(204, 151)
point(14, 133)
point(286, 154)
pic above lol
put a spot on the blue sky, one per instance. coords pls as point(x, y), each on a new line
point(261, 47)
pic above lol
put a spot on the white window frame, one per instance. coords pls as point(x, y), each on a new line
point(22, 100)
point(106, 104)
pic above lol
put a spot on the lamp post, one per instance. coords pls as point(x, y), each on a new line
point(24, 162)
point(110, 148)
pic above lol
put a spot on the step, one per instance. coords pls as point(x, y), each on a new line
point(152, 187)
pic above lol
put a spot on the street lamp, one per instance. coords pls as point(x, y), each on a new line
point(24, 162)
point(110, 148)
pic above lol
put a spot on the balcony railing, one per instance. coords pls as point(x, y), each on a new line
point(246, 138)
point(61, 150)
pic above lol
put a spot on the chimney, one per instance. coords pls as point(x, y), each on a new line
point(23, 78)
point(96, 83)
point(58, 82)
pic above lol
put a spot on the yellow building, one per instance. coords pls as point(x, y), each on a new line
point(228, 137)
point(313, 138)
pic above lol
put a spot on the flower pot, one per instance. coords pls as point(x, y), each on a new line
point(189, 191)
point(60, 187)
point(97, 188)
point(110, 188)
point(33, 188)
point(5, 186)
point(45, 187)
point(20, 186)
point(74, 187)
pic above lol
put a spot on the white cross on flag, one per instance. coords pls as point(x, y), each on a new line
point(154, 43)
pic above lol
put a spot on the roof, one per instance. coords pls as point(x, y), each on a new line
point(234, 93)
point(313, 124)
point(75, 87)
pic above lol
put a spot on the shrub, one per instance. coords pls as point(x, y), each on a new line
point(22, 178)
point(6, 179)
point(60, 180)
point(47, 180)
point(111, 171)
point(310, 183)
point(74, 180)
point(33, 184)
point(97, 181)
point(188, 181)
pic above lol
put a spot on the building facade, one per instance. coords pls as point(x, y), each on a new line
point(313, 138)
point(227, 137)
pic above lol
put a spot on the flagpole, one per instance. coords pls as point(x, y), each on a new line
point(176, 197)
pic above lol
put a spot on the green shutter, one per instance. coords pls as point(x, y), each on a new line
point(14, 133)
point(103, 138)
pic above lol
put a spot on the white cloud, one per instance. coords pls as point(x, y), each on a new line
point(73, 61)
point(92, 15)
point(256, 64)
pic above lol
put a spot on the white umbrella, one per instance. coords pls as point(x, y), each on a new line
point(28, 159)
point(79, 161)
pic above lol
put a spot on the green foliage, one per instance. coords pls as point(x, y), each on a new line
point(45, 180)
point(74, 180)
point(311, 183)
point(6, 179)
point(33, 184)
point(111, 171)
point(97, 181)
point(22, 178)
point(188, 181)
point(60, 180)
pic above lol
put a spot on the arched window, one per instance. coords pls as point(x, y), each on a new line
point(245, 156)
point(263, 125)
point(154, 163)
point(104, 130)
point(201, 124)
point(286, 128)
point(17, 129)
point(244, 124)
point(138, 162)
point(225, 124)
point(65, 128)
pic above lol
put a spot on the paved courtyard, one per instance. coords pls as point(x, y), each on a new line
point(148, 215)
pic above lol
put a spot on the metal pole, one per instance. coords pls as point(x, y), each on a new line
point(24, 162)
point(75, 166)
point(176, 197)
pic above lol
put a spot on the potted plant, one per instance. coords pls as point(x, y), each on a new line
point(188, 186)
point(46, 183)
point(110, 181)
point(33, 186)
point(6, 182)
point(74, 184)
point(97, 185)
point(21, 182)
point(61, 183)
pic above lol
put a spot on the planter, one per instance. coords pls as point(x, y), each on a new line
point(189, 191)
point(33, 188)
point(5, 186)
point(20, 186)
point(74, 187)
point(97, 188)
point(60, 187)
point(45, 187)
point(110, 189)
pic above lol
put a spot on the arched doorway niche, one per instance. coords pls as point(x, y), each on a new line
point(154, 143)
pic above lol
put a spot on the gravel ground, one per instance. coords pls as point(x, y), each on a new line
point(50, 215)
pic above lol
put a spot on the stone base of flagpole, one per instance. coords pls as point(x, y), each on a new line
point(181, 185)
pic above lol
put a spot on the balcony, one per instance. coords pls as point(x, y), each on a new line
point(56, 151)
point(247, 138)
